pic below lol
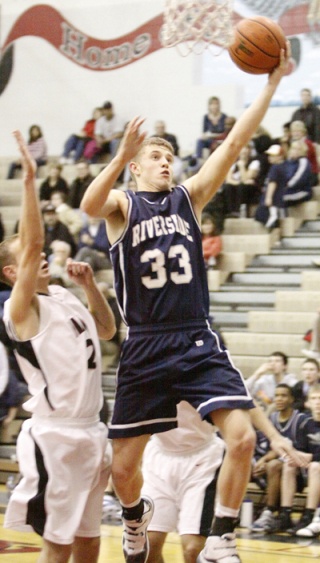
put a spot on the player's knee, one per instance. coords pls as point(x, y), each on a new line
point(192, 548)
point(274, 466)
point(243, 443)
point(314, 468)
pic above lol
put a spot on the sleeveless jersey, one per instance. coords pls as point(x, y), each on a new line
point(62, 363)
point(291, 428)
point(160, 275)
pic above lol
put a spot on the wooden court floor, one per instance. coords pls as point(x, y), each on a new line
point(258, 548)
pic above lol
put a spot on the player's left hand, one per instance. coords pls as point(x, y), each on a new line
point(79, 273)
point(29, 165)
point(281, 69)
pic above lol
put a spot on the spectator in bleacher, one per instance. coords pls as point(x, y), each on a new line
point(308, 444)
point(211, 240)
point(298, 171)
point(310, 375)
point(108, 131)
point(79, 185)
point(55, 230)
point(314, 350)
point(68, 216)
point(309, 113)
point(263, 382)
point(160, 131)
point(213, 125)
point(37, 147)
point(53, 183)
point(298, 132)
point(75, 144)
point(93, 246)
point(271, 206)
point(286, 420)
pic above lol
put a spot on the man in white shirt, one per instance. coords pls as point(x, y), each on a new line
point(108, 130)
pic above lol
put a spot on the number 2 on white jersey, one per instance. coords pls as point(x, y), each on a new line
point(156, 258)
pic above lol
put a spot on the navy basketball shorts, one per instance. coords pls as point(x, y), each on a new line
point(163, 365)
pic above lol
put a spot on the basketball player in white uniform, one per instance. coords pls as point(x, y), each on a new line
point(62, 449)
point(180, 470)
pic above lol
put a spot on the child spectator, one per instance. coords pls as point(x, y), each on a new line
point(298, 169)
point(211, 241)
point(310, 375)
point(71, 218)
point(75, 144)
point(271, 207)
point(37, 148)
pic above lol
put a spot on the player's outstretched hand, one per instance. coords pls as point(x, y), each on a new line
point(285, 450)
point(29, 165)
point(79, 273)
point(282, 69)
point(132, 138)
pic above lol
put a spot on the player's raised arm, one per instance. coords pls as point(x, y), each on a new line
point(29, 242)
point(210, 177)
point(97, 200)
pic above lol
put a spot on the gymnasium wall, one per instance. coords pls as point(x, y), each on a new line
point(54, 71)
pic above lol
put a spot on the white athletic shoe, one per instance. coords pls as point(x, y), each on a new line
point(263, 522)
point(310, 531)
point(135, 543)
point(220, 550)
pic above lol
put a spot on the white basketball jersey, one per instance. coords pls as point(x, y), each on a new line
point(62, 363)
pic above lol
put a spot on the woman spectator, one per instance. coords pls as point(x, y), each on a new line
point(299, 176)
point(37, 148)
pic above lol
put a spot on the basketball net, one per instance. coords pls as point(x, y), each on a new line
point(194, 25)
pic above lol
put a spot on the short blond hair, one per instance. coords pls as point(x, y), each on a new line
point(6, 256)
point(157, 141)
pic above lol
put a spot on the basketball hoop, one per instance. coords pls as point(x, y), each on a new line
point(197, 24)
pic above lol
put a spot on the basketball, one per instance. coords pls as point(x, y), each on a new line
point(256, 45)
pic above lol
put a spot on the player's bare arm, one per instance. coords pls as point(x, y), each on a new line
point(24, 275)
point(81, 274)
point(203, 185)
point(100, 200)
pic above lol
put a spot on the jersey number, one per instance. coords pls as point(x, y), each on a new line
point(156, 258)
point(92, 359)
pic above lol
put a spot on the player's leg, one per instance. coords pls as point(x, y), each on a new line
point(156, 543)
point(191, 547)
point(54, 553)
point(236, 429)
point(85, 549)
point(239, 436)
point(136, 511)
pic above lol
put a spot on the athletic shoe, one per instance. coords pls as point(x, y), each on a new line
point(311, 354)
point(281, 523)
point(111, 511)
point(135, 543)
point(304, 521)
point(310, 531)
point(219, 550)
point(263, 522)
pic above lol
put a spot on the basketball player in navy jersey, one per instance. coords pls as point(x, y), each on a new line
point(62, 448)
point(170, 354)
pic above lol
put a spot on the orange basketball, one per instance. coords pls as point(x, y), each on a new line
point(256, 45)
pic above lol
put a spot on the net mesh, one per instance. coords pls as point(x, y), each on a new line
point(193, 25)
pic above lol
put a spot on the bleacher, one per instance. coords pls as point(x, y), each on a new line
point(261, 298)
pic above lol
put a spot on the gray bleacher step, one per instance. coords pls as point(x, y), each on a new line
point(282, 261)
point(108, 381)
point(300, 242)
point(236, 298)
point(7, 451)
point(227, 319)
point(274, 279)
point(309, 226)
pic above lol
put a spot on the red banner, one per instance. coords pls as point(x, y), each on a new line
point(47, 23)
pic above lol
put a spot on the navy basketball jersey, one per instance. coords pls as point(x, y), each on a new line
point(290, 428)
point(160, 275)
